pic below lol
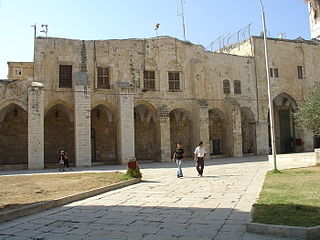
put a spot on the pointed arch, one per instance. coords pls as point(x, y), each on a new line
point(147, 135)
point(58, 133)
point(284, 106)
point(103, 134)
point(181, 130)
point(217, 132)
point(7, 105)
point(14, 134)
point(248, 130)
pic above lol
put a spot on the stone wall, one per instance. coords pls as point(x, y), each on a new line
point(183, 115)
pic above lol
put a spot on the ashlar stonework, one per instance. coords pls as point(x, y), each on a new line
point(110, 101)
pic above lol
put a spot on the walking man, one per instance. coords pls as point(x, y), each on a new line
point(178, 157)
point(199, 155)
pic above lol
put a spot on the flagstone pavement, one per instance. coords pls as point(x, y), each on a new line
point(215, 206)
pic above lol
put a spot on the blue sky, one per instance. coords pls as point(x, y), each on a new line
point(205, 20)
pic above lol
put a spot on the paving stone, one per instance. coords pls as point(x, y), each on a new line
point(62, 230)
point(229, 236)
point(159, 237)
point(10, 230)
point(162, 207)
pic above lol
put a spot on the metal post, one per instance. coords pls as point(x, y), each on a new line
point(183, 24)
point(34, 48)
point(273, 140)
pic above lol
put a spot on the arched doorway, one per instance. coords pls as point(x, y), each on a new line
point(145, 133)
point(248, 131)
point(284, 107)
point(58, 134)
point(217, 132)
point(13, 135)
point(103, 135)
point(181, 130)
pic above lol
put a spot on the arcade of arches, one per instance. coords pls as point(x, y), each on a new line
point(59, 132)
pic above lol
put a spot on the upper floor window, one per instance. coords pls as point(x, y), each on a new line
point(274, 72)
point(237, 87)
point(174, 81)
point(300, 71)
point(17, 72)
point(149, 80)
point(103, 77)
point(226, 86)
point(65, 76)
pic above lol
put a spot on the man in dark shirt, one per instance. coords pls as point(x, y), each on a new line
point(178, 157)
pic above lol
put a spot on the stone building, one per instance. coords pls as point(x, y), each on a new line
point(110, 101)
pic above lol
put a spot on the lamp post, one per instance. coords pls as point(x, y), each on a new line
point(272, 133)
point(34, 26)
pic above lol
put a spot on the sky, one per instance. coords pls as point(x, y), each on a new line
point(205, 21)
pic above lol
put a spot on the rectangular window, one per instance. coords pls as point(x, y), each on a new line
point(65, 76)
point(149, 80)
point(103, 78)
point(274, 72)
point(174, 81)
point(226, 86)
point(237, 87)
point(271, 72)
point(300, 72)
point(17, 72)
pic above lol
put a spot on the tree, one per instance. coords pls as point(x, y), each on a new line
point(315, 4)
point(307, 116)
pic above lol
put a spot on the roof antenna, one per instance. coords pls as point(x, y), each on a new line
point(183, 22)
point(45, 30)
point(156, 28)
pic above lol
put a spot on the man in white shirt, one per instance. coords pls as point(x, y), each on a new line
point(199, 155)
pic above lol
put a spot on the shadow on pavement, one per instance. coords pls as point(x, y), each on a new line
point(112, 221)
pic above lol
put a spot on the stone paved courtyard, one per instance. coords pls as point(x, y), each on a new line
point(215, 206)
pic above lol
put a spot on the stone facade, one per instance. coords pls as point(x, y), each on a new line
point(137, 98)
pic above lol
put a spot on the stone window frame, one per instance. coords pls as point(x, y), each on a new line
point(226, 86)
point(274, 72)
point(59, 75)
point(103, 86)
point(180, 81)
point(300, 72)
point(149, 80)
point(237, 86)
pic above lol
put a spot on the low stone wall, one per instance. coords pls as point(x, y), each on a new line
point(296, 160)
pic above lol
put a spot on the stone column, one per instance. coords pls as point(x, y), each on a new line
point(126, 147)
point(237, 133)
point(262, 137)
point(202, 124)
point(82, 120)
point(36, 126)
point(235, 126)
point(82, 111)
point(165, 147)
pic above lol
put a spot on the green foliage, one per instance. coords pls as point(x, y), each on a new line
point(315, 4)
point(135, 173)
point(308, 115)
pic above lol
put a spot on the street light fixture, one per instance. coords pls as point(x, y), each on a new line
point(272, 132)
